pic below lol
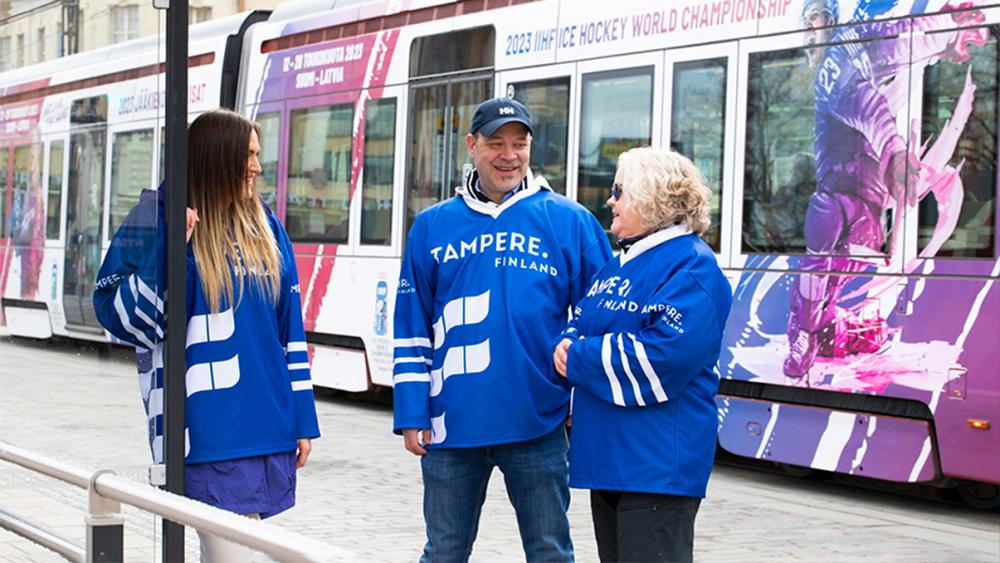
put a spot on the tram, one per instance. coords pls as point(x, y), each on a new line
point(851, 147)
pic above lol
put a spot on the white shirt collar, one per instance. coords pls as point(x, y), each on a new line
point(655, 239)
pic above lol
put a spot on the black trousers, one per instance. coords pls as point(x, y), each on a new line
point(643, 526)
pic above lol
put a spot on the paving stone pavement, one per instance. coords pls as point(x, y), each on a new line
point(361, 490)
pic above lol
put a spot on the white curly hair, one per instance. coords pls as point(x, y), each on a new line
point(665, 189)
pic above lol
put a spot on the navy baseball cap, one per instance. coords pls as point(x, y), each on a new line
point(494, 114)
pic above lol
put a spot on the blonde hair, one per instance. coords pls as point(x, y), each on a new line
point(665, 189)
point(232, 236)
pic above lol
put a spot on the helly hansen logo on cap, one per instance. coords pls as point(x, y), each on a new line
point(494, 114)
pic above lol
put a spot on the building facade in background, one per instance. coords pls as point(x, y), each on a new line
point(34, 31)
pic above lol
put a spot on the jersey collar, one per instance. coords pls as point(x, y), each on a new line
point(655, 239)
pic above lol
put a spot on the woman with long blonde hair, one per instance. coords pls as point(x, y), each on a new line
point(249, 413)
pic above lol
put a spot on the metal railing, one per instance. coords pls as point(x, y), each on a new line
point(105, 525)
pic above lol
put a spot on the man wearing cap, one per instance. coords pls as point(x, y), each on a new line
point(486, 282)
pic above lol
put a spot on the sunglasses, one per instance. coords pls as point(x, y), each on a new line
point(616, 191)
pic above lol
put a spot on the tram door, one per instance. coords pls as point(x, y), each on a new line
point(84, 210)
point(441, 113)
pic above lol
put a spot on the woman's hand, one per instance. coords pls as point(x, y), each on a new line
point(304, 446)
point(192, 219)
point(560, 355)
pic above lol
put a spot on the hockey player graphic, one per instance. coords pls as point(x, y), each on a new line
point(864, 167)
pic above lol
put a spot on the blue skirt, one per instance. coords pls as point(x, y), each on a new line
point(262, 485)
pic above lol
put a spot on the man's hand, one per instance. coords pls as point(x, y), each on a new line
point(305, 448)
point(560, 355)
point(415, 439)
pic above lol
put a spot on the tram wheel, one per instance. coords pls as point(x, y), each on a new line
point(983, 496)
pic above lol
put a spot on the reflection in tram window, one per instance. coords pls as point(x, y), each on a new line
point(376, 191)
point(427, 151)
point(26, 221)
point(697, 123)
point(616, 115)
point(438, 153)
point(454, 51)
point(548, 101)
point(267, 180)
point(319, 174)
point(465, 98)
point(780, 169)
point(975, 206)
point(131, 162)
point(54, 207)
point(4, 155)
point(84, 209)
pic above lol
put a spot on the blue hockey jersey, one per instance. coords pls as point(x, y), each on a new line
point(483, 291)
point(249, 390)
point(646, 341)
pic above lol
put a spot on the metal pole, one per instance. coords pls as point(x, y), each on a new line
point(106, 493)
point(42, 536)
point(176, 186)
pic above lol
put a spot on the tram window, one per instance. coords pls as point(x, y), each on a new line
point(455, 51)
point(780, 169)
point(548, 101)
point(84, 215)
point(697, 126)
point(4, 155)
point(319, 174)
point(617, 115)
point(465, 98)
point(267, 180)
point(976, 151)
point(54, 208)
point(427, 150)
point(798, 145)
point(439, 155)
point(131, 161)
point(376, 189)
point(26, 221)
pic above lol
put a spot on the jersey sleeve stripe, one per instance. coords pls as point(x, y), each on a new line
point(142, 316)
point(647, 368)
point(412, 359)
point(149, 294)
point(411, 342)
point(126, 323)
point(302, 385)
point(411, 378)
point(299, 346)
point(628, 372)
point(138, 307)
point(298, 365)
point(609, 371)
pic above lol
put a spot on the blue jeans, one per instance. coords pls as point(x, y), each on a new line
point(537, 480)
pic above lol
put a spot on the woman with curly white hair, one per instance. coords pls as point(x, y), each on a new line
point(640, 352)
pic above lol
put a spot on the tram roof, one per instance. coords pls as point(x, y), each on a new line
point(137, 52)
